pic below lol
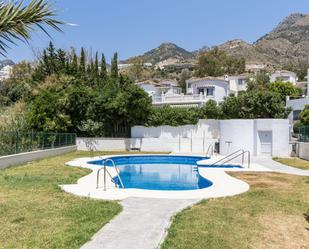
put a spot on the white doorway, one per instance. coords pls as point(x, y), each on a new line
point(266, 142)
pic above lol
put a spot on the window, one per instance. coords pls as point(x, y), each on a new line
point(241, 82)
point(200, 90)
point(189, 85)
point(210, 91)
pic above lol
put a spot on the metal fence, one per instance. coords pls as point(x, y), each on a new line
point(304, 133)
point(19, 142)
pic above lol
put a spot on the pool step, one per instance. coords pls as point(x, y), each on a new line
point(195, 168)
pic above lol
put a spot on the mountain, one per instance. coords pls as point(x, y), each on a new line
point(286, 43)
point(240, 48)
point(166, 51)
point(6, 62)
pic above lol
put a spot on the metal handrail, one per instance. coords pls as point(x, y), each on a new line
point(228, 158)
point(232, 154)
point(211, 148)
point(242, 155)
point(98, 177)
point(106, 171)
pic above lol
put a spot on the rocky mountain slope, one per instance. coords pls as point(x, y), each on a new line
point(6, 62)
point(166, 51)
point(287, 43)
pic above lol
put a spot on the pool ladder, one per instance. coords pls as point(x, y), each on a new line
point(238, 153)
point(106, 172)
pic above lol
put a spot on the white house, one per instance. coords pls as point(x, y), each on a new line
point(6, 72)
point(149, 87)
point(212, 88)
point(298, 104)
point(285, 76)
point(238, 83)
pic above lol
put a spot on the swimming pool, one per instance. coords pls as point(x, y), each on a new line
point(158, 172)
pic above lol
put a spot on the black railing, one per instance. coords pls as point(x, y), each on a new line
point(19, 142)
point(304, 133)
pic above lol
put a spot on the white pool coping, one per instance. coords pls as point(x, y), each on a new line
point(223, 184)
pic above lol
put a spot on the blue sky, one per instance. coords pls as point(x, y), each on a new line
point(132, 27)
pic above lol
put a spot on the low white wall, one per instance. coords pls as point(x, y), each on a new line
point(304, 151)
point(16, 159)
point(103, 144)
point(156, 144)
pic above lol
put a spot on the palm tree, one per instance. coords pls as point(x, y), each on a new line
point(18, 21)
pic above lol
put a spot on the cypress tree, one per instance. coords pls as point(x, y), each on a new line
point(114, 66)
point(74, 65)
point(96, 67)
point(82, 62)
point(103, 72)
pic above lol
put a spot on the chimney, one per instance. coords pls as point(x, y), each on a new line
point(308, 84)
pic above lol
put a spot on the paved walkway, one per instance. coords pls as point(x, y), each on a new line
point(279, 167)
point(141, 225)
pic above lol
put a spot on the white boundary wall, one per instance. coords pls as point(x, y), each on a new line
point(231, 134)
point(304, 151)
point(16, 159)
point(103, 144)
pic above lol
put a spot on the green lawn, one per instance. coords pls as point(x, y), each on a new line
point(274, 213)
point(294, 162)
point(35, 213)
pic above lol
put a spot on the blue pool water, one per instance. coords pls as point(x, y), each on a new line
point(159, 172)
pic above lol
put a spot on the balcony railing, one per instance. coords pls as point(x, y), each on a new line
point(195, 98)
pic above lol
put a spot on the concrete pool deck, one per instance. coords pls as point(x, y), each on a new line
point(143, 223)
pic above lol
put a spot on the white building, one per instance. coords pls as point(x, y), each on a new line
point(238, 83)
point(157, 89)
point(199, 91)
point(285, 76)
point(298, 105)
point(212, 88)
point(6, 72)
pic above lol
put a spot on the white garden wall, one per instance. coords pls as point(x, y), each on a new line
point(103, 144)
point(16, 159)
point(304, 151)
point(262, 137)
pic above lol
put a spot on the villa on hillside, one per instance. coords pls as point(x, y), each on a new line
point(285, 76)
point(6, 72)
point(238, 83)
point(155, 89)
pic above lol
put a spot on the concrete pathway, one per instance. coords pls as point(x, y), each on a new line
point(279, 167)
point(141, 225)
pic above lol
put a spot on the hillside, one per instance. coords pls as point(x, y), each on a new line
point(166, 51)
point(286, 43)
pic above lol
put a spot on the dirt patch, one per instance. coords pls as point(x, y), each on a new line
point(283, 232)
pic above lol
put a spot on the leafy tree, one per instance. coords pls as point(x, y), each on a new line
point(260, 82)
point(254, 104)
point(136, 69)
point(183, 77)
point(216, 62)
point(284, 89)
point(167, 115)
point(18, 21)
point(210, 110)
point(304, 116)
point(300, 68)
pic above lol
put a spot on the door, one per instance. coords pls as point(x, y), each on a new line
point(266, 141)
